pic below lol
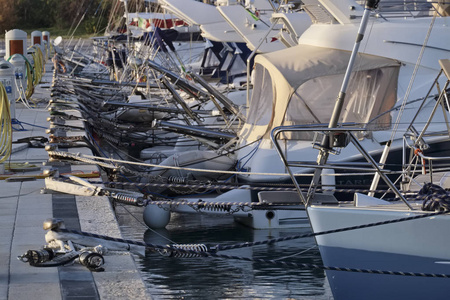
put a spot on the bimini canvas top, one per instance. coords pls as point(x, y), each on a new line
point(299, 85)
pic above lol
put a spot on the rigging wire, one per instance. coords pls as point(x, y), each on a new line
point(413, 77)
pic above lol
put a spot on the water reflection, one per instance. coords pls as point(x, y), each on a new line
point(216, 278)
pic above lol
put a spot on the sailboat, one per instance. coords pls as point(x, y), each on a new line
point(297, 86)
point(373, 248)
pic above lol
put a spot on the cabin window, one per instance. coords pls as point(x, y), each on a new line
point(369, 94)
point(262, 98)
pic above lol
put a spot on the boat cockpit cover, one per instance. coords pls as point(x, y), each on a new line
point(299, 86)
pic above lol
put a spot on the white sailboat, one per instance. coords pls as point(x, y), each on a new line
point(381, 249)
point(297, 86)
point(415, 246)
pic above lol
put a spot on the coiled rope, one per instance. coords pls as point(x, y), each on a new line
point(435, 198)
point(6, 126)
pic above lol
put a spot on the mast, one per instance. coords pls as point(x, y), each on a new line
point(327, 144)
point(127, 17)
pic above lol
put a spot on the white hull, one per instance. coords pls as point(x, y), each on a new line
point(408, 246)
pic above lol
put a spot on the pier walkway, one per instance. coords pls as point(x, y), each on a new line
point(24, 208)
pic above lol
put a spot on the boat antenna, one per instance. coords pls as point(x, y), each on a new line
point(326, 145)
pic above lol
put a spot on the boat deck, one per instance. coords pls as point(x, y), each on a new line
point(398, 206)
point(23, 209)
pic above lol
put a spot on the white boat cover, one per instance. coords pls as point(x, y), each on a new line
point(213, 26)
point(299, 85)
point(261, 5)
point(294, 23)
point(252, 30)
point(192, 11)
point(220, 32)
point(150, 16)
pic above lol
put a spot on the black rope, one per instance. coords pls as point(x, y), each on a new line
point(274, 262)
point(269, 241)
point(272, 241)
point(435, 198)
point(322, 267)
point(274, 187)
point(442, 197)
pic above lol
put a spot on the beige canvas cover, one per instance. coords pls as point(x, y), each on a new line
point(299, 85)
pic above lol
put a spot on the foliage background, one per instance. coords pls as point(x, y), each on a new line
point(63, 16)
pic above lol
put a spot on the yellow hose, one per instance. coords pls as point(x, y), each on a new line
point(38, 65)
point(29, 75)
point(30, 81)
point(6, 128)
point(52, 49)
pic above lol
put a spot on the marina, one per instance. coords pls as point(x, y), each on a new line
point(261, 150)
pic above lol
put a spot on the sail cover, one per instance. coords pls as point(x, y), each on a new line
point(299, 85)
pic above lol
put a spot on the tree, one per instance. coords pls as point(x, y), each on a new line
point(91, 15)
point(7, 15)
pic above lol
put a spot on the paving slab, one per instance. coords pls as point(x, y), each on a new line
point(24, 208)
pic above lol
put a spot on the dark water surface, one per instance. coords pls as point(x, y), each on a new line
point(218, 278)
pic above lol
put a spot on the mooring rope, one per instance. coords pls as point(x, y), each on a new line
point(244, 186)
point(265, 242)
point(313, 234)
point(212, 252)
point(93, 160)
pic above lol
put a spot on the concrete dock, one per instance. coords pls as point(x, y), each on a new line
point(24, 207)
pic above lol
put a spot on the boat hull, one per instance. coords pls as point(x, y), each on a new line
point(349, 285)
point(417, 246)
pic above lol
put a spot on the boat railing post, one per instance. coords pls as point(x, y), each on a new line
point(274, 136)
point(378, 169)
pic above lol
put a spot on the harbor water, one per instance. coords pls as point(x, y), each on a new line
point(218, 278)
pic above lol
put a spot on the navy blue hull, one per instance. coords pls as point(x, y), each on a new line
point(350, 285)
